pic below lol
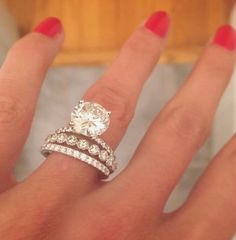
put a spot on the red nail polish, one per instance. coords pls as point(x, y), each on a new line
point(226, 37)
point(158, 23)
point(50, 27)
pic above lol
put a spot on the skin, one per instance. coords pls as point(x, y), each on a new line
point(64, 198)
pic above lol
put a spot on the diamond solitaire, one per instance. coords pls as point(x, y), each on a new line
point(90, 119)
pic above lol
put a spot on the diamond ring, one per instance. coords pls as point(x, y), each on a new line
point(81, 138)
point(90, 119)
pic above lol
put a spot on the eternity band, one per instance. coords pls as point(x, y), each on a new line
point(81, 143)
point(47, 149)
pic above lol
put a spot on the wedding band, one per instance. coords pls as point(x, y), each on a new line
point(81, 138)
point(47, 149)
point(98, 140)
point(84, 144)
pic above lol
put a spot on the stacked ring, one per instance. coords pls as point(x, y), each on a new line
point(81, 138)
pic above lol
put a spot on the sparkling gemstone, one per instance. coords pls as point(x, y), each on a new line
point(70, 151)
point(90, 160)
point(94, 149)
point(61, 138)
point(90, 119)
point(98, 165)
point(109, 162)
point(106, 172)
point(83, 156)
point(103, 155)
point(64, 149)
point(71, 140)
point(57, 148)
point(83, 144)
point(54, 138)
point(76, 154)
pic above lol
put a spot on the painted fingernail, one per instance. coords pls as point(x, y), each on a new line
point(158, 23)
point(226, 37)
point(50, 27)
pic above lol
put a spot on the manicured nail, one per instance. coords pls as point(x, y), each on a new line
point(226, 37)
point(158, 23)
point(50, 27)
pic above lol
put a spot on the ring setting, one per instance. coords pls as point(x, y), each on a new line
point(81, 138)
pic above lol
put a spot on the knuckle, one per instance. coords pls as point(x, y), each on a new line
point(220, 67)
point(12, 112)
point(114, 222)
point(114, 99)
point(34, 50)
point(186, 122)
point(140, 42)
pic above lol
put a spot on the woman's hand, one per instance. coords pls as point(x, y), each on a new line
point(65, 200)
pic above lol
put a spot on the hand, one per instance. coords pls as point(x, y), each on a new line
point(65, 200)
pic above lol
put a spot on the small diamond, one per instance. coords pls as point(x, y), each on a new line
point(107, 172)
point(83, 156)
point(76, 154)
point(103, 155)
point(83, 144)
point(61, 138)
point(98, 165)
point(90, 160)
point(71, 140)
point(94, 163)
point(94, 149)
point(64, 150)
point(53, 137)
point(110, 161)
point(70, 151)
point(57, 148)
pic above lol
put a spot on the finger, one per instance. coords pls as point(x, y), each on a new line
point(181, 128)
point(214, 196)
point(117, 91)
point(20, 79)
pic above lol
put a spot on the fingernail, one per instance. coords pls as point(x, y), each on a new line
point(50, 27)
point(226, 37)
point(158, 23)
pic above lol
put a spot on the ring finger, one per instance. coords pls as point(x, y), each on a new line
point(118, 91)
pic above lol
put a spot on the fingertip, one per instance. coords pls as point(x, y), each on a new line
point(158, 23)
point(50, 27)
point(225, 37)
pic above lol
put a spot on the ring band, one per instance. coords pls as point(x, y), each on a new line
point(81, 138)
point(47, 149)
point(98, 140)
point(83, 144)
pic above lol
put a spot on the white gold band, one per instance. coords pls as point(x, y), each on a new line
point(48, 148)
point(98, 140)
point(83, 144)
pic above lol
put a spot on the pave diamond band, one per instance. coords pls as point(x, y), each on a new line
point(98, 140)
point(85, 145)
point(48, 148)
point(81, 138)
